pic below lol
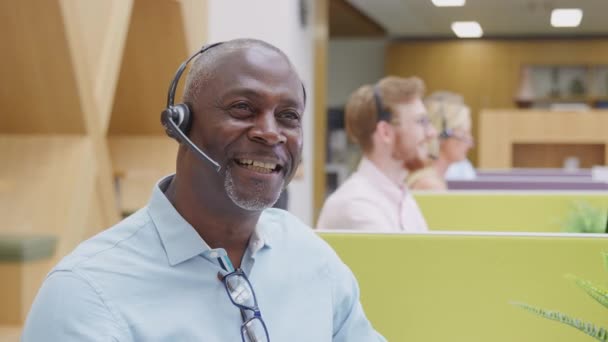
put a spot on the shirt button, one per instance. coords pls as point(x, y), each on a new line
point(213, 254)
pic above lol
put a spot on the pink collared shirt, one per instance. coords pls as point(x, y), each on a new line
point(368, 200)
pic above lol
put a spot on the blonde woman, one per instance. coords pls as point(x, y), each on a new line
point(452, 119)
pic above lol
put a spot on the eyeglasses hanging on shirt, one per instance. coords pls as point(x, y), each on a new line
point(241, 294)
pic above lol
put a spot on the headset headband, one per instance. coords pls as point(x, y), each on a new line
point(383, 115)
point(180, 71)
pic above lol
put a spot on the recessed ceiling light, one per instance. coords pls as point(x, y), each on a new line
point(566, 17)
point(449, 3)
point(467, 29)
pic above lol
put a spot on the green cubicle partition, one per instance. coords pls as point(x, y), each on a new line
point(531, 211)
point(441, 287)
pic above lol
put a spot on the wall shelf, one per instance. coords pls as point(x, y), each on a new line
point(544, 84)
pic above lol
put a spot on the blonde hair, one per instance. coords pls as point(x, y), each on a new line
point(361, 112)
point(447, 112)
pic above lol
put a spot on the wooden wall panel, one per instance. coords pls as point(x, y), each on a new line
point(38, 91)
point(139, 162)
point(485, 72)
point(95, 220)
point(11, 293)
point(18, 294)
point(500, 130)
point(51, 179)
point(99, 31)
point(143, 153)
point(526, 155)
point(195, 25)
point(152, 54)
point(345, 20)
point(68, 63)
point(106, 24)
point(10, 333)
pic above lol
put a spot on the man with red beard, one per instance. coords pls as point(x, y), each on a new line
point(390, 124)
point(204, 260)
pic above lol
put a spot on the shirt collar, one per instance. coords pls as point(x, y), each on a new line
point(179, 239)
point(260, 238)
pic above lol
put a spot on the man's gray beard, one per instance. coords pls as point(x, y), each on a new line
point(254, 203)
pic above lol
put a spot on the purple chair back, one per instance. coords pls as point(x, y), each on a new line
point(513, 183)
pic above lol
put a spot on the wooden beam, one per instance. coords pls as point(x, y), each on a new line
point(96, 66)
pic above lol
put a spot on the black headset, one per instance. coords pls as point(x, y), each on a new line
point(177, 118)
point(383, 115)
point(445, 131)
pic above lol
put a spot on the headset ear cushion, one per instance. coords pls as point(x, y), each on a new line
point(166, 115)
point(180, 115)
point(185, 119)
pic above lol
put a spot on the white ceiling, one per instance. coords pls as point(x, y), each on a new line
point(511, 18)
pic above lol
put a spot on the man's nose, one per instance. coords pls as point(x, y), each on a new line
point(266, 130)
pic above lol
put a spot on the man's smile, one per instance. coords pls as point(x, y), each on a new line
point(259, 165)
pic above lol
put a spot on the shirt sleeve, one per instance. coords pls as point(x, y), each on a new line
point(350, 323)
point(68, 308)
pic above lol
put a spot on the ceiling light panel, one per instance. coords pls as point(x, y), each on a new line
point(449, 3)
point(566, 17)
point(467, 29)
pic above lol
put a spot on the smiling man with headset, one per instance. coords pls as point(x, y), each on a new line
point(204, 260)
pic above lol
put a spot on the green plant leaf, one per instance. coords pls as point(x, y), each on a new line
point(596, 292)
point(605, 255)
point(599, 333)
point(584, 218)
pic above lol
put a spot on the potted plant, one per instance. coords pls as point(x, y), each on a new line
point(585, 218)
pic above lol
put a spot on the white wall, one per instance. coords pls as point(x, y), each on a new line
point(277, 22)
point(352, 63)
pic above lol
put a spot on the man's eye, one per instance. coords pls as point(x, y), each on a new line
point(241, 110)
point(242, 106)
point(290, 116)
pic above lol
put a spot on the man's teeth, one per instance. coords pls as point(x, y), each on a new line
point(269, 166)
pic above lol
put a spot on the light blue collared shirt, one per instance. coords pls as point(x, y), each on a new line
point(152, 278)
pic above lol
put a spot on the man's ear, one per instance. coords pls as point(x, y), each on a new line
point(385, 132)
